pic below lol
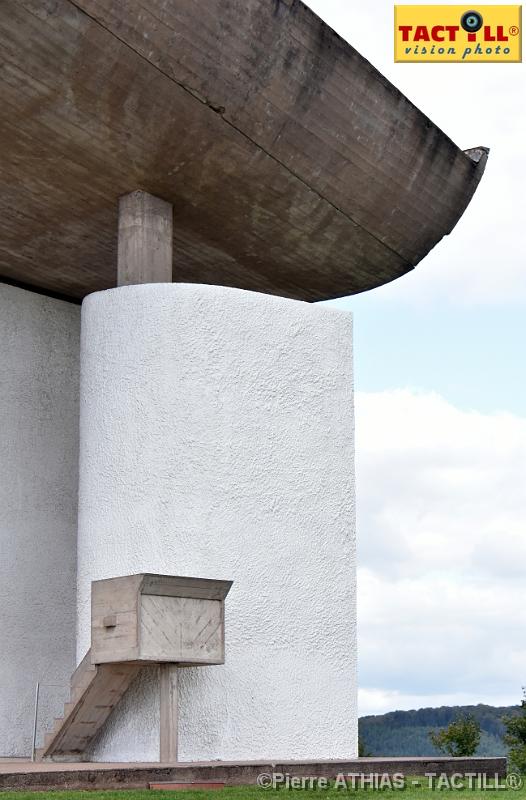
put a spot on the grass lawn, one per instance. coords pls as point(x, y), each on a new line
point(411, 792)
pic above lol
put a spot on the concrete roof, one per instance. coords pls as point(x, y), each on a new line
point(294, 167)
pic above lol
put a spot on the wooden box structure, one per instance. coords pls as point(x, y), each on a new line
point(158, 618)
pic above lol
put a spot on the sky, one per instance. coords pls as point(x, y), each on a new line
point(441, 411)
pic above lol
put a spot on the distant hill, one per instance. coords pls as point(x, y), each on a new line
point(406, 733)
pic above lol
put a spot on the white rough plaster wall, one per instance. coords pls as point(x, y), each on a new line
point(39, 377)
point(217, 441)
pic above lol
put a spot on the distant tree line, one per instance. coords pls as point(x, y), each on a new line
point(406, 733)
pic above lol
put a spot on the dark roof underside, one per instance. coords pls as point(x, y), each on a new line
point(294, 167)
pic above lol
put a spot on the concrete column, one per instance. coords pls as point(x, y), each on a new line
point(168, 713)
point(145, 239)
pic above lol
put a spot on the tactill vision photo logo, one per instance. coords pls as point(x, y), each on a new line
point(471, 21)
point(458, 33)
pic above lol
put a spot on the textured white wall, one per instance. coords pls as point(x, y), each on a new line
point(39, 374)
point(217, 441)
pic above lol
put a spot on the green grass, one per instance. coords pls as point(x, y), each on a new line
point(422, 792)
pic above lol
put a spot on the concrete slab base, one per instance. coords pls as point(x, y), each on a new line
point(26, 775)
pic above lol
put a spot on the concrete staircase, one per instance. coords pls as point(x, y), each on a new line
point(95, 691)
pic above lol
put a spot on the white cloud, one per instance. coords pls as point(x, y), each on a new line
point(378, 701)
point(442, 552)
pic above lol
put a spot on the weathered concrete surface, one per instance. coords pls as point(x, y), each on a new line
point(294, 167)
point(144, 253)
point(95, 689)
point(39, 375)
point(158, 618)
point(138, 776)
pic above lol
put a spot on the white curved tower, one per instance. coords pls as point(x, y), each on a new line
point(216, 440)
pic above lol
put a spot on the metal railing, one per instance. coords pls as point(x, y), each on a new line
point(38, 686)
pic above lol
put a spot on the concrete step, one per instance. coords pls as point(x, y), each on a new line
point(48, 738)
point(84, 669)
point(95, 691)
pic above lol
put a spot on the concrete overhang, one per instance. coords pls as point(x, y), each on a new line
point(294, 167)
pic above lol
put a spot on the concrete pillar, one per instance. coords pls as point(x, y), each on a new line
point(145, 239)
point(168, 713)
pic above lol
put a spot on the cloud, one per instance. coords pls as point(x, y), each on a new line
point(377, 701)
point(442, 551)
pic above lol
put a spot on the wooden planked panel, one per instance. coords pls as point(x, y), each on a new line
point(120, 607)
point(180, 629)
point(115, 597)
